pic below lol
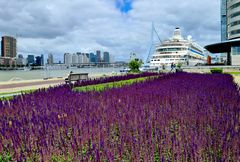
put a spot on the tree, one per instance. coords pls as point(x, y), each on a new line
point(134, 66)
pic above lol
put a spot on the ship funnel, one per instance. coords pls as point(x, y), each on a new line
point(177, 34)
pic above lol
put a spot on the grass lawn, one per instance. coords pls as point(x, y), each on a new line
point(234, 73)
point(23, 91)
point(104, 86)
point(2, 97)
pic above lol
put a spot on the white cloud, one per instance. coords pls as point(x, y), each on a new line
point(60, 26)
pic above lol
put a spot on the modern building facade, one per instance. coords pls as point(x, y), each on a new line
point(85, 58)
point(80, 57)
point(92, 58)
point(30, 60)
point(67, 59)
point(230, 32)
point(98, 56)
point(74, 58)
point(42, 60)
point(223, 20)
point(9, 46)
point(50, 59)
point(38, 60)
point(233, 19)
point(106, 57)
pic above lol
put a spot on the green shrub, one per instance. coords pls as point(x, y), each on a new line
point(216, 70)
point(134, 66)
point(179, 65)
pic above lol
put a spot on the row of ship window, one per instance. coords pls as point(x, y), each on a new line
point(178, 59)
point(171, 49)
point(176, 49)
point(171, 56)
point(170, 60)
point(196, 49)
point(173, 45)
point(157, 58)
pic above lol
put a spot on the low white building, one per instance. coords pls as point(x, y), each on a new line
point(21, 61)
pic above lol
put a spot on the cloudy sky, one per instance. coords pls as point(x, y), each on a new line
point(117, 26)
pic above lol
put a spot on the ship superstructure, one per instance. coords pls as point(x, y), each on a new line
point(178, 50)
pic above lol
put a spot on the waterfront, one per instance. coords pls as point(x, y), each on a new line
point(18, 75)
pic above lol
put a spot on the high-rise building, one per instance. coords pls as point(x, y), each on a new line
point(67, 59)
point(80, 57)
point(106, 57)
point(85, 58)
point(42, 60)
point(98, 56)
point(74, 58)
point(233, 19)
point(9, 47)
point(38, 61)
point(223, 13)
point(30, 59)
point(230, 19)
point(88, 55)
point(92, 58)
point(230, 32)
point(223, 20)
point(50, 59)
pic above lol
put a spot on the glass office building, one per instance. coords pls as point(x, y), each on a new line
point(223, 20)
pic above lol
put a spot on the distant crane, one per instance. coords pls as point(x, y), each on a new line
point(153, 30)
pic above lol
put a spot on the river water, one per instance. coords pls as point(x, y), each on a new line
point(40, 74)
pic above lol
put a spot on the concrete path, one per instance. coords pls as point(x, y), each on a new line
point(8, 87)
point(18, 86)
point(237, 79)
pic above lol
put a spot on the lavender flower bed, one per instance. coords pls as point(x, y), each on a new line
point(176, 117)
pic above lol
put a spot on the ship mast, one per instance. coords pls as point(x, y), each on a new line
point(153, 31)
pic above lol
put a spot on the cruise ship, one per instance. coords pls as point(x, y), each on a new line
point(178, 50)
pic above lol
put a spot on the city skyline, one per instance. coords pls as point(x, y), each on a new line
point(120, 27)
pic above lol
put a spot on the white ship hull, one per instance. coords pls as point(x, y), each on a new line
point(178, 51)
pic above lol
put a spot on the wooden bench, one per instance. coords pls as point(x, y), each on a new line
point(76, 77)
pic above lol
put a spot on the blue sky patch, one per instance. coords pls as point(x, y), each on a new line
point(124, 5)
